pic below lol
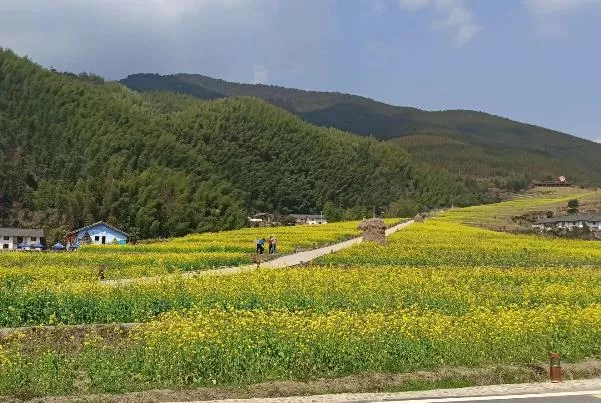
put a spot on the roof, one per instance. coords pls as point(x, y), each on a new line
point(94, 225)
point(37, 232)
point(309, 216)
point(571, 218)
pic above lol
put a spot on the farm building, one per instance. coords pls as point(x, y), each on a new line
point(261, 219)
point(99, 233)
point(310, 219)
point(20, 238)
point(569, 222)
point(560, 182)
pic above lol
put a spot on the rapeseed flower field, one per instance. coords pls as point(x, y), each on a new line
point(442, 293)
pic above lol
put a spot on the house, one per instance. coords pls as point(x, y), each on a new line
point(560, 182)
point(99, 233)
point(310, 219)
point(10, 238)
point(569, 222)
point(261, 218)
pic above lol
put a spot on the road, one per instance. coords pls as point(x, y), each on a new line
point(549, 397)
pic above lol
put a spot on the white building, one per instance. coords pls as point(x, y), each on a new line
point(99, 233)
point(311, 219)
point(11, 237)
point(570, 222)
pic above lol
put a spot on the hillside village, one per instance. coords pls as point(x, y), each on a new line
point(101, 233)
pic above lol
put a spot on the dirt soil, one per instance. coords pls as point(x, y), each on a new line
point(374, 382)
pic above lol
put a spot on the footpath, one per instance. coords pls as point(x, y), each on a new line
point(294, 259)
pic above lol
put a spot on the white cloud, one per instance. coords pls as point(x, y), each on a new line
point(454, 17)
point(548, 14)
point(598, 140)
point(259, 74)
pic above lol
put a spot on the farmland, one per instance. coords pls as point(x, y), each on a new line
point(438, 294)
point(190, 253)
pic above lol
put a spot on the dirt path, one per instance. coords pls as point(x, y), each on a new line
point(281, 262)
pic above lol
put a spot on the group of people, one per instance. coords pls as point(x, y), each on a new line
point(272, 242)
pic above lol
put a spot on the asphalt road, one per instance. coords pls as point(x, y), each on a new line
point(554, 397)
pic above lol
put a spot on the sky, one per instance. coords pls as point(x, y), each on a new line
point(535, 61)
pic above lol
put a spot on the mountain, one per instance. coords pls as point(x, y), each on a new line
point(75, 149)
point(499, 151)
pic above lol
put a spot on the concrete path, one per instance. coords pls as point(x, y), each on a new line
point(307, 256)
point(578, 391)
point(281, 262)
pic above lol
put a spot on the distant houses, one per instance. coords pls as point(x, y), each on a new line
point(21, 238)
point(99, 233)
point(261, 219)
point(309, 219)
point(570, 222)
point(560, 182)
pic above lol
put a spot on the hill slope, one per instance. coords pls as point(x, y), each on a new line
point(504, 152)
point(74, 149)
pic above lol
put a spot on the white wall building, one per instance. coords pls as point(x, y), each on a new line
point(11, 237)
point(570, 222)
point(311, 219)
point(99, 233)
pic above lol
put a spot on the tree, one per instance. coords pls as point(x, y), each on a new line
point(332, 212)
point(573, 206)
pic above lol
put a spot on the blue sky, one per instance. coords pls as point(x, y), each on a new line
point(536, 61)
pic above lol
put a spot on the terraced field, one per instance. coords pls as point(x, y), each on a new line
point(438, 294)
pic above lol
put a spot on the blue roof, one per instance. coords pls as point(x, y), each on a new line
point(96, 224)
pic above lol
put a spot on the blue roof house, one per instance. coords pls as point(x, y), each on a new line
point(99, 233)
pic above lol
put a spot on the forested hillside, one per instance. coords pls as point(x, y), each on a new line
point(75, 149)
point(489, 148)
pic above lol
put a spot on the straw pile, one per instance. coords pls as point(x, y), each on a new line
point(374, 230)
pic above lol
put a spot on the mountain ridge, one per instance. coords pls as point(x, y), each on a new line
point(509, 151)
point(76, 149)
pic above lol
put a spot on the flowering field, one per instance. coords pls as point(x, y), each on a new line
point(189, 253)
point(438, 294)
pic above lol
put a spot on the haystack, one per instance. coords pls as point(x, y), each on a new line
point(374, 230)
point(418, 218)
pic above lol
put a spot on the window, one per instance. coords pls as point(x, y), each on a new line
point(33, 239)
point(96, 238)
point(103, 240)
point(6, 237)
point(5, 246)
point(19, 239)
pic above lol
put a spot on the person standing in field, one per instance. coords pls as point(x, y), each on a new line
point(261, 246)
point(269, 243)
point(272, 244)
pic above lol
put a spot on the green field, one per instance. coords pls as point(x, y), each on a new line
point(439, 294)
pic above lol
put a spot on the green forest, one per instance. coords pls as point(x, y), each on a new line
point(489, 149)
point(75, 149)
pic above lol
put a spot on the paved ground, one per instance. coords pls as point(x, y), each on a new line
point(579, 391)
